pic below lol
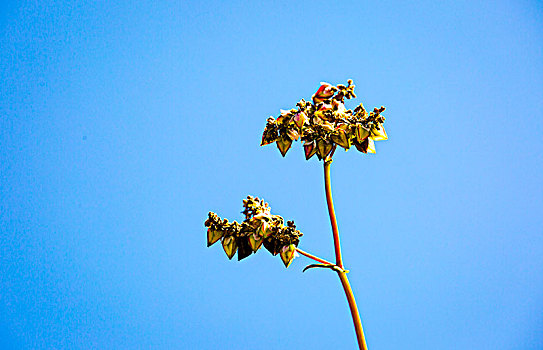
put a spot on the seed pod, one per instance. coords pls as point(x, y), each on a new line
point(213, 236)
point(284, 144)
point(362, 146)
point(230, 246)
point(272, 245)
point(255, 241)
point(323, 148)
point(244, 249)
point(339, 137)
point(361, 133)
point(310, 148)
point(287, 254)
point(269, 135)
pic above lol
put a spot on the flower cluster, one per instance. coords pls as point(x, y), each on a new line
point(325, 123)
point(259, 228)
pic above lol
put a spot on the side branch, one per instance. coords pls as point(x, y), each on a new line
point(313, 257)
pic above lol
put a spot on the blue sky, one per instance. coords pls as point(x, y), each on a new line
point(122, 124)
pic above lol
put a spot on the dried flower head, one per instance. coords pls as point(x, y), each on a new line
point(325, 124)
point(260, 228)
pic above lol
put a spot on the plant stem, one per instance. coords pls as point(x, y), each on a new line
point(354, 310)
point(337, 247)
point(311, 256)
point(331, 212)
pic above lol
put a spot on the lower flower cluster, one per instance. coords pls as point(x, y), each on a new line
point(260, 228)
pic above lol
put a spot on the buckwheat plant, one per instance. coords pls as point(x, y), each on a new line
point(322, 125)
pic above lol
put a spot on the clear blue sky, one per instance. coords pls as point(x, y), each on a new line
point(123, 123)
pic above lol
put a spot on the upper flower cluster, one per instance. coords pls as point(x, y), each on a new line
point(325, 123)
point(259, 228)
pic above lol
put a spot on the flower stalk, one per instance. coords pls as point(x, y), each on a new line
point(339, 262)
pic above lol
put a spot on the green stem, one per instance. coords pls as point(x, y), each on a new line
point(313, 257)
point(337, 247)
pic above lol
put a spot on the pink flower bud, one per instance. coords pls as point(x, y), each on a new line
point(324, 92)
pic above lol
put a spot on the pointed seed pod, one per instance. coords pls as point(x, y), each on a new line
point(230, 246)
point(255, 241)
point(362, 146)
point(287, 254)
point(361, 133)
point(340, 138)
point(213, 236)
point(310, 148)
point(244, 249)
point(323, 148)
point(283, 144)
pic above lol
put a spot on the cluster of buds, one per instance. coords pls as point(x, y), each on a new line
point(325, 123)
point(260, 228)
